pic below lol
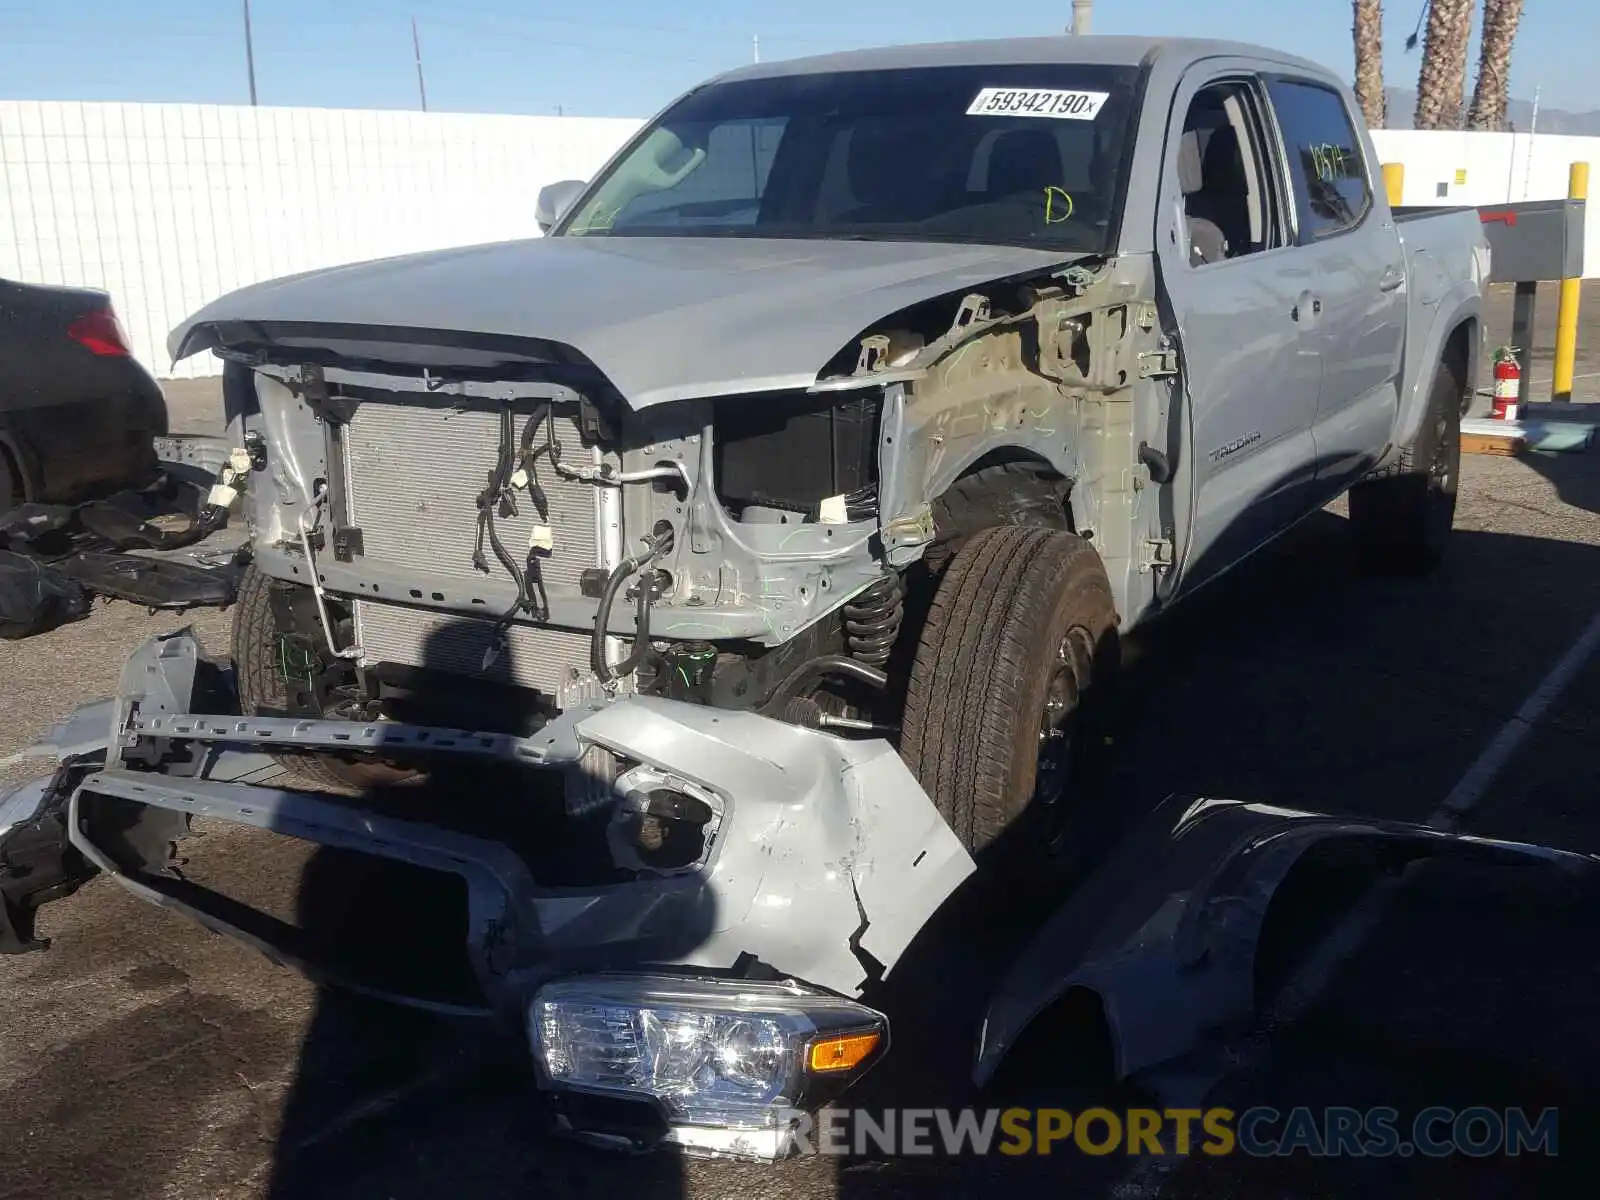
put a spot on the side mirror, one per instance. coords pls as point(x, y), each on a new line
point(554, 200)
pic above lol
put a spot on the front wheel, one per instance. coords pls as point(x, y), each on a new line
point(1402, 521)
point(1019, 645)
point(269, 659)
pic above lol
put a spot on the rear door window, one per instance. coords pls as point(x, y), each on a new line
point(1332, 192)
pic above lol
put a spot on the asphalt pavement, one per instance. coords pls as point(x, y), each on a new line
point(141, 1056)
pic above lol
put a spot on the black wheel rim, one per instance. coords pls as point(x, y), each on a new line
point(1444, 468)
point(1060, 730)
point(1444, 473)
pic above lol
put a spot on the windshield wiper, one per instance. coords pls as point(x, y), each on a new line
point(793, 233)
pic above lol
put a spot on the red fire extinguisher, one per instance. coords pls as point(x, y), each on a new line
point(1507, 384)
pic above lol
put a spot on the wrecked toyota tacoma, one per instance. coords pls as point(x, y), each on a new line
point(769, 527)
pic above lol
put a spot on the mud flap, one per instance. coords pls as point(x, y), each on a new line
point(1165, 932)
point(151, 582)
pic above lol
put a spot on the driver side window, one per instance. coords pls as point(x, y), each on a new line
point(1231, 207)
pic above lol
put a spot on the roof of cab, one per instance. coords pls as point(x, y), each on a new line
point(1091, 50)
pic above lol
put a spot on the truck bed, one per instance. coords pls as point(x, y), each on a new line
point(1433, 240)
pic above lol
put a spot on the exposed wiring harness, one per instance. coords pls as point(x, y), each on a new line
point(517, 457)
point(516, 465)
point(656, 546)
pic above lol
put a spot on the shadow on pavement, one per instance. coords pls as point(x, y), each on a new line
point(1575, 476)
point(1295, 681)
point(1299, 682)
point(396, 1101)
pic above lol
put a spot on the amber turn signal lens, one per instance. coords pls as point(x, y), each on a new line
point(843, 1052)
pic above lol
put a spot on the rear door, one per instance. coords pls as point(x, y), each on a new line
point(1346, 233)
point(1234, 283)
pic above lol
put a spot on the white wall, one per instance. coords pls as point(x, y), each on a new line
point(168, 206)
point(1499, 168)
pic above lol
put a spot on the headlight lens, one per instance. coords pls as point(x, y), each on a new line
point(729, 1053)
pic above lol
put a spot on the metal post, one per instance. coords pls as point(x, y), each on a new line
point(1394, 183)
point(1522, 305)
point(1571, 293)
point(249, 54)
point(1081, 10)
point(416, 50)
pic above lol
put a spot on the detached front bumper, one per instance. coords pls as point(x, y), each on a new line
point(823, 861)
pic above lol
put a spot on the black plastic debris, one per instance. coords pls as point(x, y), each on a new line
point(168, 515)
point(151, 582)
point(32, 524)
point(37, 861)
point(36, 597)
point(165, 517)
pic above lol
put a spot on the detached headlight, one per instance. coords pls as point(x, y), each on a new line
point(720, 1053)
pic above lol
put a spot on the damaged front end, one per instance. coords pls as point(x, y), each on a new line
point(755, 877)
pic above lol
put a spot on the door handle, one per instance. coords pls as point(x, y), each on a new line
point(1392, 279)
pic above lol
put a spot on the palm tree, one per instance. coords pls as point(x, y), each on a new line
point(1442, 82)
point(1368, 34)
point(1489, 94)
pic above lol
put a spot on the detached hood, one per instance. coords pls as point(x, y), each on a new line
point(663, 318)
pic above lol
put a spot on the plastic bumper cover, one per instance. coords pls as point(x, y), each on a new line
point(827, 860)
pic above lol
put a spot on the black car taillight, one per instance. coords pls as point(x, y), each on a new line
point(100, 332)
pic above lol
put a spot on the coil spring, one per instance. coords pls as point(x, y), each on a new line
point(872, 620)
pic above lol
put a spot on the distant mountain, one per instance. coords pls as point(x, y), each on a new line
point(1403, 104)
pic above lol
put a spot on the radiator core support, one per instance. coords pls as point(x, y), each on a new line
point(412, 472)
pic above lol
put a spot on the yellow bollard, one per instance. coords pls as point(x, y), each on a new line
point(1567, 309)
point(1394, 182)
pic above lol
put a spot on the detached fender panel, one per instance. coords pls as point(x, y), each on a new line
point(1165, 932)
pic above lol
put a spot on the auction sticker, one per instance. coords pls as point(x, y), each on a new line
point(1061, 104)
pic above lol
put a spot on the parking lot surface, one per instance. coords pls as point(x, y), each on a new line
point(141, 1056)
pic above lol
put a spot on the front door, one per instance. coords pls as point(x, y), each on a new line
point(1239, 292)
point(1347, 234)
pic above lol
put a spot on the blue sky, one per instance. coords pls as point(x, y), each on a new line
point(627, 57)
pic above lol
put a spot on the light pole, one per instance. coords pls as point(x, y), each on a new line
point(249, 54)
point(416, 49)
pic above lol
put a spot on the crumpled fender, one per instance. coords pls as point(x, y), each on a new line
point(1165, 932)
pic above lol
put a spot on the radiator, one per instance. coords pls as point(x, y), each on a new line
point(412, 473)
point(551, 660)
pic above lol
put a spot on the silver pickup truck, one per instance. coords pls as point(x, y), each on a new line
point(714, 584)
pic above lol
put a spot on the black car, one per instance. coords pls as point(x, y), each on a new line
point(77, 410)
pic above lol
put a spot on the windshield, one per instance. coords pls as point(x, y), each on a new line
point(1017, 155)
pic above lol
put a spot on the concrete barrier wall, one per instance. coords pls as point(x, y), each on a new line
point(168, 206)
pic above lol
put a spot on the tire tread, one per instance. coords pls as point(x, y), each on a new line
point(978, 661)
